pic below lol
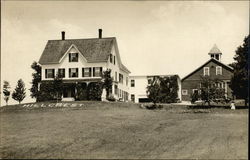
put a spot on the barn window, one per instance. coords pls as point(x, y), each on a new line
point(184, 92)
point(206, 71)
point(218, 70)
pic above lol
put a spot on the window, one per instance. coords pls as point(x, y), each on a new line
point(73, 57)
point(126, 81)
point(212, 55)
point(114, 59)
point(120, 78)
point(110, 58)
point(195, 91)
point(116, 90)
point(217, 56)
point(49, 73)
point(86, 72)
point(132, 83)
point(73, 72)
point(61, 72)
point(218, 70)
point(132, 97)
point(116, 76)
point(97, 71)
point(184, 92)
point(206, 71)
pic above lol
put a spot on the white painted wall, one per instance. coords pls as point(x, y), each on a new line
point(139, 90)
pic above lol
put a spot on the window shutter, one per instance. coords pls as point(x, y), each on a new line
point(69, 72)
point(114, 59)
point(69, 57)
point(76, 72)
point(77, 57)
point(46, 76)
point(63, 73)
point(93, 71)
point(100, 71)
point(82, 72)
point(90, 72)
point(53, 73)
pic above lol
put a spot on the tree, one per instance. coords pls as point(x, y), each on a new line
point(209, 91)
point(239, 80)
point(57, 87)
point(6, 91)
point(19, 92)
point(35, 81)
point(169, 89)
point(154, 91)
point(108, 81)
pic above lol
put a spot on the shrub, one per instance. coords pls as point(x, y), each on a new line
point(194, 97)
point(111, 98)
point(95, 91)
point(81, 91)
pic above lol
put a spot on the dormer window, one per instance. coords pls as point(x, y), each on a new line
point(73, 57)
point(206, 71)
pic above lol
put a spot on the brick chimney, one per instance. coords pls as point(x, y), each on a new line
point(100, 33)
point(63, 35)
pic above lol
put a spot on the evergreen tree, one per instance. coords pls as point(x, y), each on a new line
point(108, 81)
point(6, 91)
point(57, 87)
point(239, 81)
point(35, 81)
point(19, 92)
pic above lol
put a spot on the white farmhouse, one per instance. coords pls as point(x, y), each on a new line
point(138, 87)
point(81, 61)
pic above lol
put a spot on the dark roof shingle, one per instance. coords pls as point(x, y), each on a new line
point(94, 50)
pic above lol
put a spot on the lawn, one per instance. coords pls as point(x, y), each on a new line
point(123, 130)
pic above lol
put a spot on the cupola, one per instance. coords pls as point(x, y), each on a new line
point(215, 53)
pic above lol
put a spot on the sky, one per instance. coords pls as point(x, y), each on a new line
point(154, 37)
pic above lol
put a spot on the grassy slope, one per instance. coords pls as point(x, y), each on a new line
point(123, 130)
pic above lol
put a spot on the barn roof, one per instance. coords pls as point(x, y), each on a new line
point(210, 60)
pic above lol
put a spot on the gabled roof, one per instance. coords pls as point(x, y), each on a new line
point(212, 59)
point(214, 50)
point(94, 50)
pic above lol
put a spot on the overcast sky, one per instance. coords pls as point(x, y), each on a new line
point(162, 37)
